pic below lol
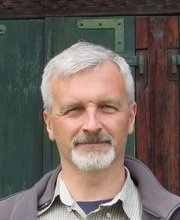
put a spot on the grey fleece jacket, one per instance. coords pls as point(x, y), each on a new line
point(157, 202)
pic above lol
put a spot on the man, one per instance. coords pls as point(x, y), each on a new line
point(89, 110)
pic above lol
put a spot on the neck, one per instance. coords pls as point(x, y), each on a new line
point(94, 185)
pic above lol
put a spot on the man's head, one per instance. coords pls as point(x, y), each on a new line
point(88, 95)
point(78, 57)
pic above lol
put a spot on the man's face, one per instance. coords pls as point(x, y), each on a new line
point(91, 118)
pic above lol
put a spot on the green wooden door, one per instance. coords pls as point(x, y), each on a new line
point(25, 46)
point(21, 63)
point(116, 33)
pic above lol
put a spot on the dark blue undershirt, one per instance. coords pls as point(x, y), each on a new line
point(88, 207)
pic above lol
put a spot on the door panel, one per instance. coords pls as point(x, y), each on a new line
point(21, 62)
point(158, 99)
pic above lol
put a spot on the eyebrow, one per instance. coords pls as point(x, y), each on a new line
point(75, 104)
point(111, 102)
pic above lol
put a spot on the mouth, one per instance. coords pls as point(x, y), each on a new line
point(93, 147)
point(92, 144)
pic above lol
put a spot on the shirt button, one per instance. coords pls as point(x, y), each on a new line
point(69, 209)
point(108, 215)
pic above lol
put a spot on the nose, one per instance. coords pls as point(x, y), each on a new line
point(91, 123)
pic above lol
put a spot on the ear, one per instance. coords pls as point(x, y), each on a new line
point(48, 122)
point(132, 115)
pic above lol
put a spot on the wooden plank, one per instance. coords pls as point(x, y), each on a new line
point(143, 140)
point(143, 129)
point(157, 52)
point(172, 34)
point(45, 8)
point(141, 32)
point(173, 108)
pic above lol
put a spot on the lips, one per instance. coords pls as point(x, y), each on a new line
point(91, 144)
point(94, 142)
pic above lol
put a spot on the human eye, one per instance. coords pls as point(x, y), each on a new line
point(108, 108)
point(73, 110)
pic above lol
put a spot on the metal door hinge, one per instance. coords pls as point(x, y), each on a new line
point(136, 61)
point(175, 59)
point(2, 29)
point(118, 25)
point(173, 66)
point(106, 23)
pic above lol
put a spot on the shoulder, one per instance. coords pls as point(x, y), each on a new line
point(26, 201)
point(155, 198)
point(7, 204)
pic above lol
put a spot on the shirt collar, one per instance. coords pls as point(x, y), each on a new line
point(129, 196)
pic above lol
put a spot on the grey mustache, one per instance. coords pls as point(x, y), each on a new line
point(82, 139)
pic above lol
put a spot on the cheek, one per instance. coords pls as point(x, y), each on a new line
point(64, 131)
point(116, 125)
point(120, 133)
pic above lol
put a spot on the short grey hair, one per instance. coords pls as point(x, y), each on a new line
point(78, 57)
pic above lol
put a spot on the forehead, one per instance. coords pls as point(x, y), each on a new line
point(105, 80)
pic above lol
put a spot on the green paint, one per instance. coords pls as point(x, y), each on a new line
point(21, 64)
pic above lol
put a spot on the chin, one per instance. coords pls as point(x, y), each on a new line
point(93, 160)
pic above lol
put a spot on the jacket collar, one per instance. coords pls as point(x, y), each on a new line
point(156, 200)
point(153, 195)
